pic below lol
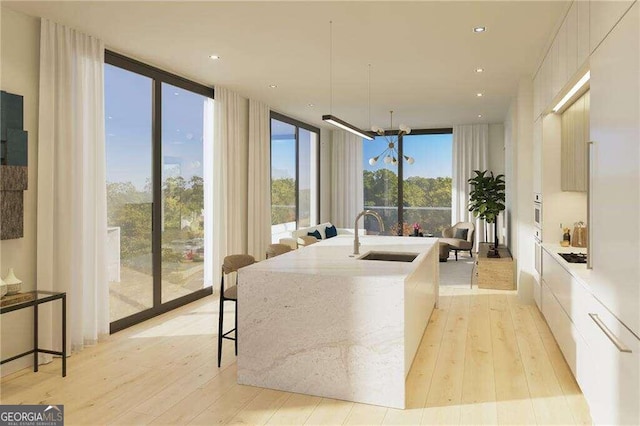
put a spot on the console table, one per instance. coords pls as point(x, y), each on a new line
point(35, 299)
point(495, 272)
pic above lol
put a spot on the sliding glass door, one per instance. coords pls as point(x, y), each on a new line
point(129, 146)
point(183, 248)
point(295, 176)
point(158, 134)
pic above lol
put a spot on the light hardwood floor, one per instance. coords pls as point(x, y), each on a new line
point(484, 359)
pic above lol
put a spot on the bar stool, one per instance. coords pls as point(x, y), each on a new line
point(277, 249)
point(230, 264)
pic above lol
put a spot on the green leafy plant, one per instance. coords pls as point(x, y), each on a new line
point(486, 199)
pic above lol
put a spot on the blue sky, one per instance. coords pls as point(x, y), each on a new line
point(128, 106)
point(128, 125)
point(433, 155)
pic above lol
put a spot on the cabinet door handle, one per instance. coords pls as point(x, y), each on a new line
point(589, 224)
point(614, 339)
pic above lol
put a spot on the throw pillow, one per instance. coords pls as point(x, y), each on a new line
point(461, 234)
point(315, 233)
point(330, 231)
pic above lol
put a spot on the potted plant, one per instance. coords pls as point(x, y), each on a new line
point(486, 201)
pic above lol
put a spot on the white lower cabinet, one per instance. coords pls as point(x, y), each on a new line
point(602, 353)
point(537, 293)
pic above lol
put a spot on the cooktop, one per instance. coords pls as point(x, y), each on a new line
point(574, 257)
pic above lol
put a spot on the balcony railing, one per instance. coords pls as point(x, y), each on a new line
point(432, 220)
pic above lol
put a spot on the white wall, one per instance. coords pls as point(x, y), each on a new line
point(496, 148)
point(519, 172)
point(497, 166)
point(20, 53)
point(510, 123)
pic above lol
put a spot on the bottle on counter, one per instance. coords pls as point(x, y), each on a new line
point(566, 238)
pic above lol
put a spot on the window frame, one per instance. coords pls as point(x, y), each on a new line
point(400, 202)
point(298, 125)
point(157, 77)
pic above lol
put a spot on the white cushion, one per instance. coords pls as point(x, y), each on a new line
point(302, 232)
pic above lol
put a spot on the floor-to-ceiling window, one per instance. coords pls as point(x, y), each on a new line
point(405, 194)
point(158, 130)
point(295, 179)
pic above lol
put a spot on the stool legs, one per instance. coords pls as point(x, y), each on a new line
point(220, 318)
point(236, 327)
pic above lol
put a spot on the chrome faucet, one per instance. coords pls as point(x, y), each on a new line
point(356, 240)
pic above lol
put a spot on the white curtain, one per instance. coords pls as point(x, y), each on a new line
point(72, 205)
point(470, 152)
point(230, 179)
point(347, 197)
point(259, 189)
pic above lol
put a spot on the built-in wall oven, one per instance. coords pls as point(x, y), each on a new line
point(537, 220)
point(537, 211)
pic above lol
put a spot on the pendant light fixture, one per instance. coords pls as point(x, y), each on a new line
point(392, 139)
point(330, 118)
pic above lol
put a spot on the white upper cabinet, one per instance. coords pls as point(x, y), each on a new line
point(562, 70)
point(603, 16)
point(536, 96)
point(537, 156)
point(615, 169)
point(571, 24)
point(567, 54)
point(556, 80)
point(582, 47)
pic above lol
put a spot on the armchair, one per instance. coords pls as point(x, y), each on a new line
point(453, 236)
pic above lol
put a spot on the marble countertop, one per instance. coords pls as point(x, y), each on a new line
point(334, 256)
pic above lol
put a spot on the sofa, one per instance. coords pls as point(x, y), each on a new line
point(302, 232)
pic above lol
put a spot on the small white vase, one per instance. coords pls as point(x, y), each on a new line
point(13, 282)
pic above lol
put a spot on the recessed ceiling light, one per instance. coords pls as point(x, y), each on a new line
point(310, 105)
point(479, 29)
point(479, 94)
point(214, 57)
point(273, 86)
point(479, 115)
point(176, 93)
point(479, 69)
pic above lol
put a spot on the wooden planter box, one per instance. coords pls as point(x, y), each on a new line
point(495, 273)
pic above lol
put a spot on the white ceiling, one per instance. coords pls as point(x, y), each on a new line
point(423, 54)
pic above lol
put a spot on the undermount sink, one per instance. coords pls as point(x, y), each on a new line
point(389, 256)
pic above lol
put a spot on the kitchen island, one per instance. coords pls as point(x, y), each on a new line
point(324, 322)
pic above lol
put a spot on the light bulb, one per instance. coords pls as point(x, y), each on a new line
point(388, 159)
point(408, 130)
point(373, 160)
point(394, 161)
point(410, 160)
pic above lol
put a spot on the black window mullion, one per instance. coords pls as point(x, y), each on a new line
point(400, 189)
point(318, 163)
point(156, 239)
point(297, 185)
